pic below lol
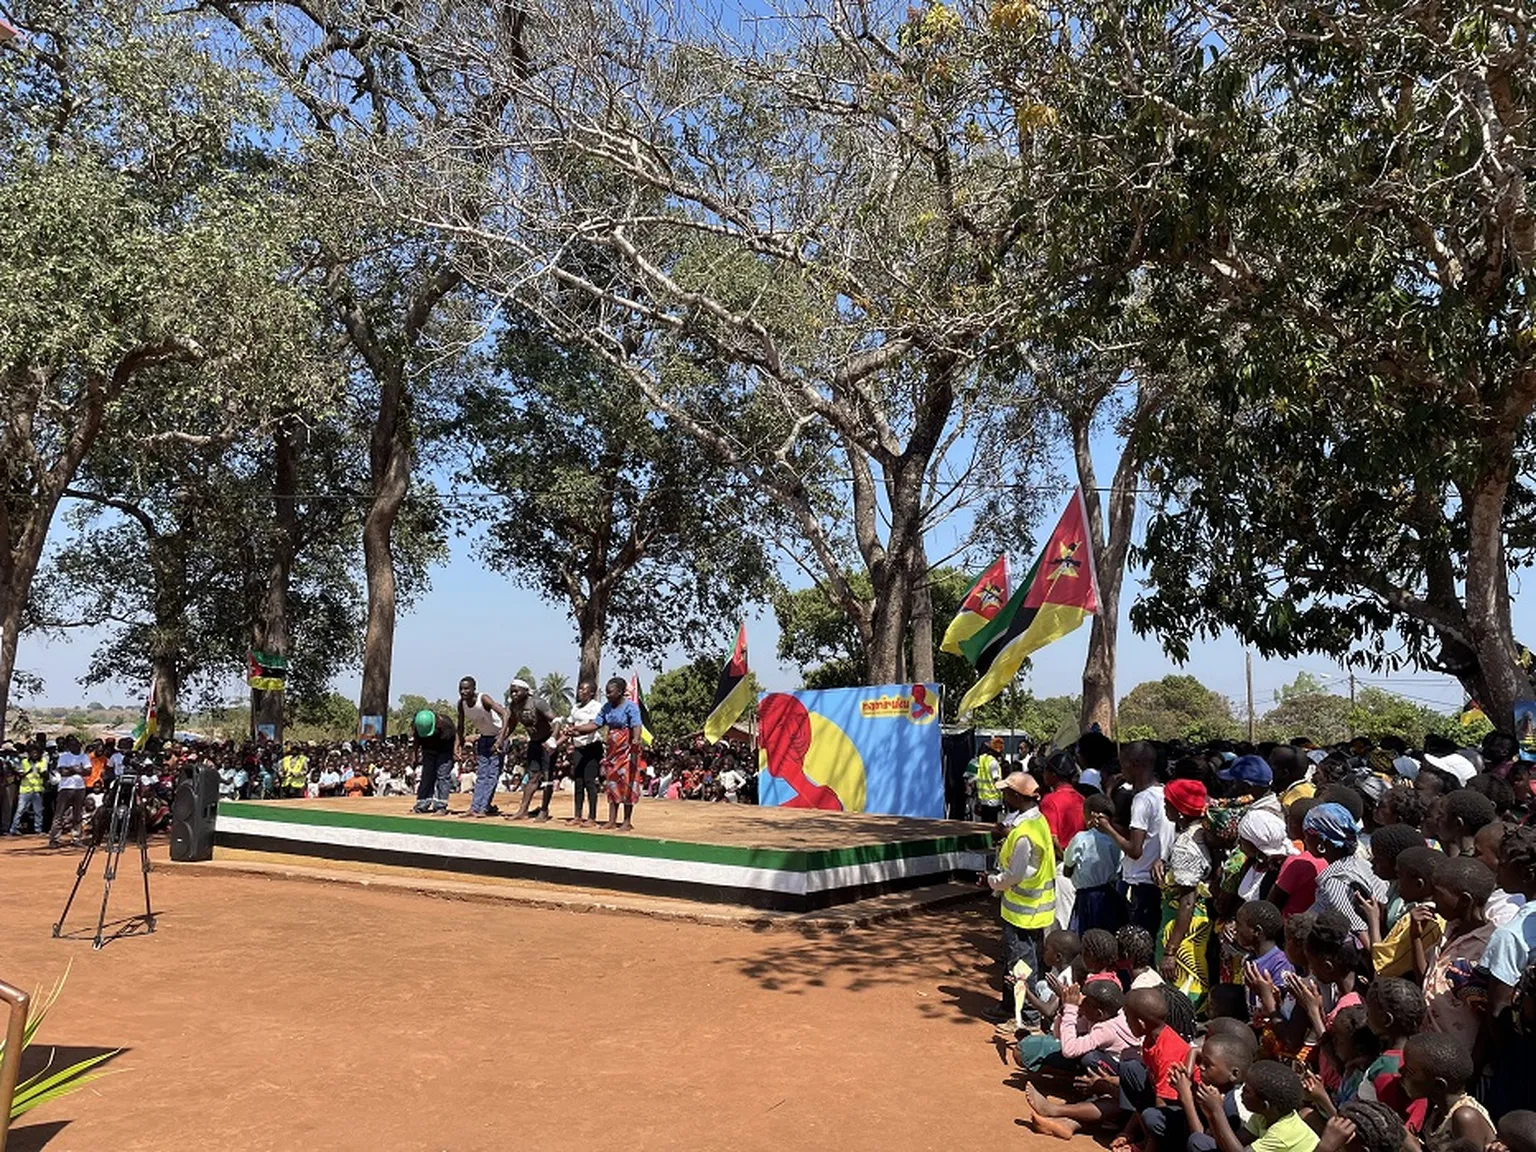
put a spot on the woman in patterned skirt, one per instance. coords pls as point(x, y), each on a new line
point(621, 754)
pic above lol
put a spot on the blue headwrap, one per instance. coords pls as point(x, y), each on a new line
point(1331, 823)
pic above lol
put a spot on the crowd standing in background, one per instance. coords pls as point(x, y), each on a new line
point(54, 787)
point(1281, 948)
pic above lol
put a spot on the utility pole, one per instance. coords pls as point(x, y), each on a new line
point(1248, 661)
point(1351, 705)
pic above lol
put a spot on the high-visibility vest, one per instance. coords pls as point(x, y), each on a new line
point(295, 770)
point(1031, 903)
point(986, 780)
point(32, 772)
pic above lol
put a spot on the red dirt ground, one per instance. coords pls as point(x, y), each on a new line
point(269, 1014)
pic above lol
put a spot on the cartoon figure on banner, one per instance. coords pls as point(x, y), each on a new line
point(788, 732)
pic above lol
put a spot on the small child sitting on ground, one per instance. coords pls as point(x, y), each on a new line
point(1135, 945)
point(1221, 1062)
point(1100, 956)
point(1091, 1030)
point(1272, 1095)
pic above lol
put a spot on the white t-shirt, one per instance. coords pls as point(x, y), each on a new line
point(72, 769)
point(586, 714)
point(1147, 814)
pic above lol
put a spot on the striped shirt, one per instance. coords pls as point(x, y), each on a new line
point(1336, 884)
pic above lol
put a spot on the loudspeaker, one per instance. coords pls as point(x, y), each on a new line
point(193, 814)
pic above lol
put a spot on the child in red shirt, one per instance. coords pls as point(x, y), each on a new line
point(1146, 1087)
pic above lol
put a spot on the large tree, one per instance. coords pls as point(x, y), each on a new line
point(355, 89)
point(1334, 236)
point(644, 535)
point(789, 248)
point(143, 273)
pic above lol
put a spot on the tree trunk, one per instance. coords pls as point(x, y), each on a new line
point(270, 630)
point(1111, 545)
point(390, 473)
point(168, 562)
point(922, 620)
point(10, 635)
point(1499, 680)
point(592, 623)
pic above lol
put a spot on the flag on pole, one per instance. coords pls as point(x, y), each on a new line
point(731, 694)
point(1060, 591)
point(146, 727)
point(645, 713)
point(980, 606)
point(265, 671)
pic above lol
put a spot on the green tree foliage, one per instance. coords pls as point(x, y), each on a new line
point(640, 533)
point(144, 273)
point(1176, 708)
point(556, 687)
point(679, 700)
point(818, 636)
point(409, 704)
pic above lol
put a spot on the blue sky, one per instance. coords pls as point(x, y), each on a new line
point(475, 622)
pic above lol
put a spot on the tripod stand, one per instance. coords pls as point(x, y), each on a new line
point(124, 810)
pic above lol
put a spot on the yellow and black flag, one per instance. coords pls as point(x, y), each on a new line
point(732, 694)
point(1060, 592)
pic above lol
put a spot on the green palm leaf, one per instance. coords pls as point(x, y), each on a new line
point(43, 1086)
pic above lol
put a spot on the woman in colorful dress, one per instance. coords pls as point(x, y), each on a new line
point(621, 754)
point(1186, 930)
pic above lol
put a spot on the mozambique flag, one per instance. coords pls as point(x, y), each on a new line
point(265, 671)
point(1060, 590)
point(645, 713)
point(147, 727)
point(731, 694)
point(980, 606)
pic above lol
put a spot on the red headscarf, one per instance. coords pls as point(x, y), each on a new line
point(1186, 797)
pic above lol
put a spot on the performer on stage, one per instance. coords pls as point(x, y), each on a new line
point(621, 763)
point(436, 740)
point(538, 720)
point(587, 749)
point(491, 724)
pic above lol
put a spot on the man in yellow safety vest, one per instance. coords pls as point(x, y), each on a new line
point(985, 771)
point(29, 793)
point(1025, 879)
point(294, 771)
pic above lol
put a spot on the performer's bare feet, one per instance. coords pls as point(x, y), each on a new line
point(517, 816)
point(626, 827)
point(609, 824)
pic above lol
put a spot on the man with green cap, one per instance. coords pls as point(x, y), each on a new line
point(436, 741)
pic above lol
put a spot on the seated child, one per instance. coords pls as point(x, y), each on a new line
point(1394, 1009)
point(1436, 1069)
point(1135, 945)
point(1517, 1132)
point(1145, 1081)
point(1091, 1030)
point(1363, 1126)
point(1392, 952)
point(1100, 956)
point(1057, 955)
point(1260, 934)
point(1092, 861)
point(1354, 1046)
point(1221, 1063)
point(1272, 1095)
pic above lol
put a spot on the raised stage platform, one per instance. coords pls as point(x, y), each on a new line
point(791, 860)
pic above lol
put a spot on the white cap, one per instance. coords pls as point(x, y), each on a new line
point(1455, 763)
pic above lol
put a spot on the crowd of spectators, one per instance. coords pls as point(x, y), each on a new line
point(1275, 948)
point(681, 770)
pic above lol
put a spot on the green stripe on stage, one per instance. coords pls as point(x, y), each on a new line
point(451, 828)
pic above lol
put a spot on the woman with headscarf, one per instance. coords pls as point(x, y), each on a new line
point(1331, 835)
point(1184, 939)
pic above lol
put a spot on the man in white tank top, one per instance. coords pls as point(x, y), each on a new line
point(488, 719)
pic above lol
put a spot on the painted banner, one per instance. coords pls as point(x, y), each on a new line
point(869, 749)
